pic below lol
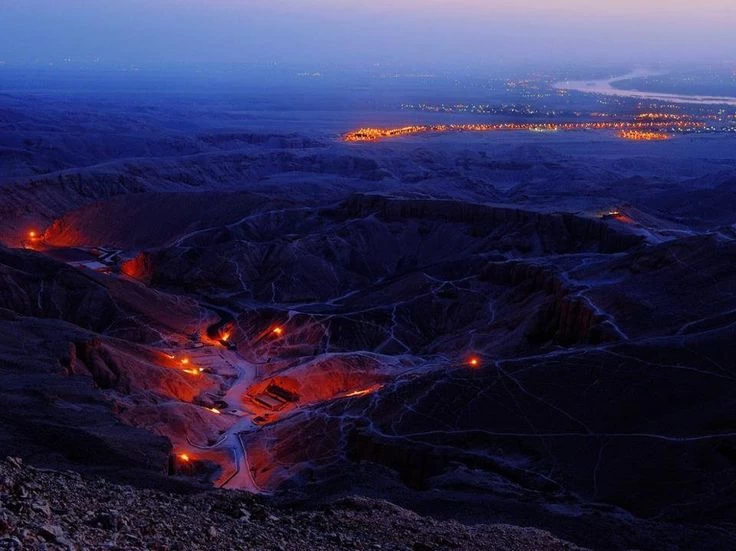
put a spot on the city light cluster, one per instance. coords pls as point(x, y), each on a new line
point(662, 117)
point(376, 134)
point(639, 136)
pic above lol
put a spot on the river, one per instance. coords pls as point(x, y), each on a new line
point(605, 87)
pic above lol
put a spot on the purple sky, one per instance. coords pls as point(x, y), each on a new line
point(424, 33)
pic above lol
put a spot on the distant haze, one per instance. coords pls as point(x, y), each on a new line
point(354, 33)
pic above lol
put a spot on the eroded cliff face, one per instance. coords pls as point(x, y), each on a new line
point(565, 316)
point(35, 286)
point(82, 366)
point(39, 201)
point(57, 415)
point(544, 232)
point(294, 255)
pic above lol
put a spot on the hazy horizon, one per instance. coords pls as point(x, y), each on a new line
point(422, 34)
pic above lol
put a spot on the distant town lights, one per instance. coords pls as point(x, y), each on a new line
point(655, 129)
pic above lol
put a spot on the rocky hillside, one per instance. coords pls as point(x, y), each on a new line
point(42, 509)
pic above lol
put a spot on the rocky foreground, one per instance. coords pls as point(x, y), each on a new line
point(43, 509)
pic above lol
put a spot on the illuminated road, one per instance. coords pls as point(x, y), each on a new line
point(246, 375)
point(229, 448)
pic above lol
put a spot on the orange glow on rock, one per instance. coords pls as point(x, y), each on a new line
point(184, 361)
point(215, 411)
point(624, 219)
point(474, 362)
point(364, 392)
point(194, 372)
point(140, 268)
point(184, 457)
point(32, 234)
point(278, 331)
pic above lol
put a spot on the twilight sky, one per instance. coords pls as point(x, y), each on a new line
point(422, 33)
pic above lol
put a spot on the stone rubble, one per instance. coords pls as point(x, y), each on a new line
point(62, 511)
